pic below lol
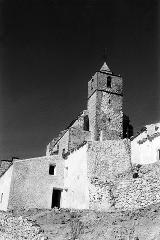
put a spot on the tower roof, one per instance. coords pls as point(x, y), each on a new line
point(105, 68)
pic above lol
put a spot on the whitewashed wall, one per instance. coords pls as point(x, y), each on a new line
point(76, 193)
point(5, 182)
point(144, 148)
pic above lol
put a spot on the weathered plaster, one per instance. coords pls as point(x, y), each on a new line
point(5, 183)
point(31, 185)
point(75, 180)
point(145, 146)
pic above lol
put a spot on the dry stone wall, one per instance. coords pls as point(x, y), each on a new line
point(105, 107)
point(107, 161)
point(92, 85)
point(79, 123)
point(115, 184)
point(92, 102)
point(109, 116)
point(131, 193)
point(116, 83)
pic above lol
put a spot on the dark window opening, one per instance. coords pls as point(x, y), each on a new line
point(63, 152)
point(56, 197)
point(92, 81)
point(52, 169)
point(109, 101)
point(156, 128)
point(135, 175)
point(158, 154)
point(108, 82)
point(56, 151)
point(86, 123)
point(109, 119)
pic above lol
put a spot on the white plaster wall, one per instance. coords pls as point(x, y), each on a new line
point(76, 193)
point(146, 152)
point(5, 182)
point(32, 185)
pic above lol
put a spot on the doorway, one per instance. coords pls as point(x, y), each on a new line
point(56, 197)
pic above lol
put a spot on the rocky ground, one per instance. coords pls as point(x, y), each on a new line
point(60, 224)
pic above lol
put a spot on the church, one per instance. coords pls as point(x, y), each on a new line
point(95, 163)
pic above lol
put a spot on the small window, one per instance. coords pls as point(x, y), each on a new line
point(108, 82)
point(109, 119)
point(86, 123)
point(92, 81)
point(63, 152)
point(135, 175)
point(109, 101)
point(52, 169)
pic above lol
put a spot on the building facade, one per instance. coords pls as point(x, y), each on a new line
point(87, 164)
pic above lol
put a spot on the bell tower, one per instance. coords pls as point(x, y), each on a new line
point(105, 100)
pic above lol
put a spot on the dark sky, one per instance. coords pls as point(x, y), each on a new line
point(49, 51)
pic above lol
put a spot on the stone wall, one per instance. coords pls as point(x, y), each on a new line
point(80, 121)
point(105, 107)
point(107, 161)
point(109, 116)
point(115, 184)
point(31, 185)
point(116, 83)
point(132, 193)
point(77, 137)
point(92, 102)
point(92, 85)
point(56, 148)
point(99, 81)
point(4, 165)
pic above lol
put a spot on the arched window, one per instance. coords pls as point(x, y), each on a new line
point(109, 81)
